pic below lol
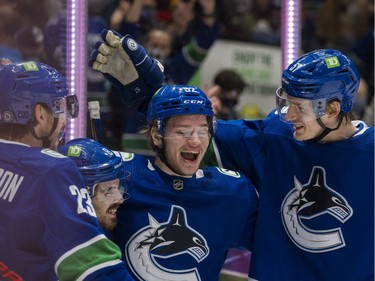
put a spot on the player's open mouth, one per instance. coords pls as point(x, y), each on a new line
point(190, 155)
point(297, 127)
point(113, 209)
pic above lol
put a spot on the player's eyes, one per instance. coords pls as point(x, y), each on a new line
point(110, 191)
point(201, 133)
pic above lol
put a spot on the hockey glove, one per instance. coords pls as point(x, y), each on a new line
point(127, 66)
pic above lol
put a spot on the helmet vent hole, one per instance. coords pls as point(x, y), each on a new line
point(312, 69)
point(22, 76)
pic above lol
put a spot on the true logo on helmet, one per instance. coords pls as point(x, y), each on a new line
point(332, 62)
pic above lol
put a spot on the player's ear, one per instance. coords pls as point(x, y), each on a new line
point(39, 113)
point(155, 137)
point(41, 120)
point(333, 108)
point(40, 117)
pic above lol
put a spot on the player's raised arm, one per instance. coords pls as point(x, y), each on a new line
point(127, 66)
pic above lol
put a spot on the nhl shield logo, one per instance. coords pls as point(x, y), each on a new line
point(178, 184)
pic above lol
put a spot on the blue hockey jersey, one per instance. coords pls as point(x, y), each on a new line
point(316, 201)
point(174, 228)
point(48, 228)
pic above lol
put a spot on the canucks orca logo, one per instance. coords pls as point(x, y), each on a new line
point(151, 246)
point(306, 202)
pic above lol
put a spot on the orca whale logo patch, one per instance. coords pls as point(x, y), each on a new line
point(150, 249)
point(304, 203)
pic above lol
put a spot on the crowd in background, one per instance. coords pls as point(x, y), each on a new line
point(180, 33)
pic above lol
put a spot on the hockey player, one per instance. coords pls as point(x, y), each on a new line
point(104, 175)
point(312, 164)
point(49, 230)
point(176, 224)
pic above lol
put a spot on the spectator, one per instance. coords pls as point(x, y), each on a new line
point(190, 33)
point(9, 11)
point(213, 94)
point(238, 20)
point(231, 87)
point(134, 17)
point(30, 42)
point(267, 30)
point(360, 101)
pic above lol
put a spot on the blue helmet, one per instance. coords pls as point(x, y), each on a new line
point(322, 75)
point(96, 162)
point(23, 85)
point(174, 100)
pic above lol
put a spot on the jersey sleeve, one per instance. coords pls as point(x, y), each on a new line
point(248, 205)
point(238, 145)
point(249, 226)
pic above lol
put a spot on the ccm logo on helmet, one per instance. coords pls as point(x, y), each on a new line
point(193, 101)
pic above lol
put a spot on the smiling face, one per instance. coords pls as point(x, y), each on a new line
point(301, 114)
point(108, 197)
point(185, 142)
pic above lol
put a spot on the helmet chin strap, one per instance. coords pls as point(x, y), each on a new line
point(326, 130)
point(45, 140)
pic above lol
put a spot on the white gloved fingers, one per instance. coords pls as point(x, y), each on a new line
point(104, 68)
point(102, 59)
point(105, 49)
point(97, 66)
point(112, 39)
point(109, 57)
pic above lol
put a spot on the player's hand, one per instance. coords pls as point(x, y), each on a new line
point(127, 65)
